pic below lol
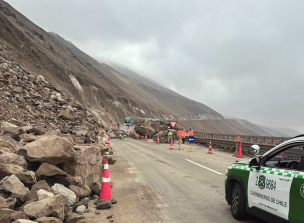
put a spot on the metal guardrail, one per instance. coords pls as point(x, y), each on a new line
point(260, 140)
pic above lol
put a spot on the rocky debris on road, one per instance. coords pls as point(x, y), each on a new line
point(50, 155)
point(150, 128)
point(103, 204)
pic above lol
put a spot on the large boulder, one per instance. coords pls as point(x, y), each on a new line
point(49, 207)
point(36, 187)
point(50, 149)
point(13, 185)
point(81, 191)
point(70, 196)
point(52, 174)
point(88, 164)
point(26, 177)
point(146, 128)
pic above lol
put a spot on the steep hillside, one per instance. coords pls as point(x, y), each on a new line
point(144, 91)
point(105, 92)
point(226, 126)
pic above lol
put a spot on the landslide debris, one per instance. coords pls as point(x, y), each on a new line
point(51, 155)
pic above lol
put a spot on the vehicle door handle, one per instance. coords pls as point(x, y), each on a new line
point(285, 178)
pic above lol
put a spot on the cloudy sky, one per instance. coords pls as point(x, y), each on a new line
point(242, 58)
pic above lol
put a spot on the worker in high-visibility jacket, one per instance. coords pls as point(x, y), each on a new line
point(191, 133)
point(169, 135)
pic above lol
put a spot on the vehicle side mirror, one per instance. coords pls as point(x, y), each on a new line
point(255, 163)
point(256, 149)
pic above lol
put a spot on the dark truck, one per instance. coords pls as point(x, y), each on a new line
point(130, 121)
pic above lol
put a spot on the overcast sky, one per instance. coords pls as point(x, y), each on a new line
point(242, 58)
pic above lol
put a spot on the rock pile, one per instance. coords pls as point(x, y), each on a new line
point(149, 127)
point(51, 157)
point(27, 99)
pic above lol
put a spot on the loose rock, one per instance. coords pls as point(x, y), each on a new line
point(49, 207)
point(81, 209)
point(69, 195)
point(103, 204)
point(18, 190)
point(50, 149)
point(37, 186)
point(43, 194)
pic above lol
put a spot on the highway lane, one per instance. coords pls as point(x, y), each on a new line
point(177, 186)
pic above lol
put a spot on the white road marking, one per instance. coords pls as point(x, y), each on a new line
point(204, 167)
point(224, 155)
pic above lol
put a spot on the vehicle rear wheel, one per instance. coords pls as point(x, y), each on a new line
point(238, 205)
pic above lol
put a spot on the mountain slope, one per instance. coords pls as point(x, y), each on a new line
point(105, 92)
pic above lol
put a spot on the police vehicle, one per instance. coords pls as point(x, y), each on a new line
point(270, 186)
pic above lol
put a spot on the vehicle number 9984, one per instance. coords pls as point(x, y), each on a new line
point(271, 184)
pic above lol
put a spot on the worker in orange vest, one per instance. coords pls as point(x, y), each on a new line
point(178, 135)
point(182, 135)
point(191, 133)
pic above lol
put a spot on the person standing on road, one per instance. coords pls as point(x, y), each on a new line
point(169, 135)
point(183, 131)
point(191, 133)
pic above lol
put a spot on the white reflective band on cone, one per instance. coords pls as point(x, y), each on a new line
point(106, 180)
point(106, 166)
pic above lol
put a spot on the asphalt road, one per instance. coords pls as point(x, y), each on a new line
point(155, 184)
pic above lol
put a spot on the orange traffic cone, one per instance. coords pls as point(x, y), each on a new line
point(146, 137)
point(109, 142)
point(157, 139)
point(105, 193)
point(137, 136)
point(210, 148)
point(282, 155)
point(240, 151)
point(171, 145)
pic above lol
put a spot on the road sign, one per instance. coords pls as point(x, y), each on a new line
point(173, 124)
point(238, 138)
point(185, 134)
point(191, 139)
